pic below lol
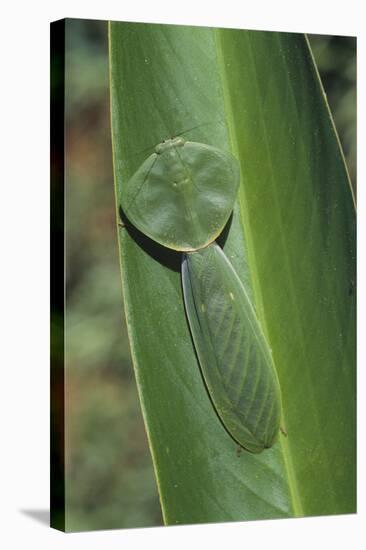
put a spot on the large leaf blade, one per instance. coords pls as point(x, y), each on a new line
point(296, 182)
point(200, 477)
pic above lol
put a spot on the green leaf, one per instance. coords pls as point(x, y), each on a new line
point(291, 239)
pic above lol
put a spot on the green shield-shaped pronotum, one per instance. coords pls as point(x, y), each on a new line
point(182, 197)
point(183, 194)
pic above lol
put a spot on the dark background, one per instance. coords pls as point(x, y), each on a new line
point(109, 475)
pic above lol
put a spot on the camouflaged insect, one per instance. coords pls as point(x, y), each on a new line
point(182, 197)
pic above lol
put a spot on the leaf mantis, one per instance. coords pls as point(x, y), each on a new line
point(182, 197)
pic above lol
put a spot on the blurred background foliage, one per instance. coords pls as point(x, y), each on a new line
point(109, 475)
point(335, 57)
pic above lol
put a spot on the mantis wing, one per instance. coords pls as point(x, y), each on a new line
point(234, 355)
